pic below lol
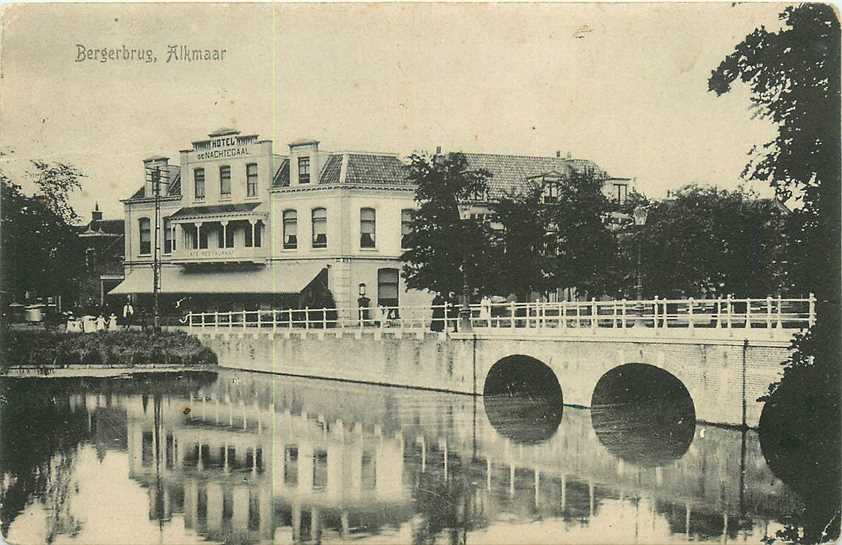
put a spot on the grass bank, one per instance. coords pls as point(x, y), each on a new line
point(42, 348)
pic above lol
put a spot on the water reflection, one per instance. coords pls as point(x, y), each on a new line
point(250, 458)
point(643, 415)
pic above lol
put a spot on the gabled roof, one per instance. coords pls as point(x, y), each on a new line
point(510, 172)
point(103, 228)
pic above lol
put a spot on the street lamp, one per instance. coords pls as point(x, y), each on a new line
point(465, 308)
point(639, 215)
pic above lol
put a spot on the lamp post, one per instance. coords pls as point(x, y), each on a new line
point(639, 215)
point(465, 308)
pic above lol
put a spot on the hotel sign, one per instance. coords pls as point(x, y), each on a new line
point(226, 147)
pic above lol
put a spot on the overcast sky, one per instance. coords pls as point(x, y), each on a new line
point(623, 85)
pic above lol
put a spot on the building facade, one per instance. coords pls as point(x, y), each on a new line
point(103, 247)
point(242, 227)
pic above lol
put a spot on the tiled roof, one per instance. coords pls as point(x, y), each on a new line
point(510, 172)
point(175, 184)
point(281, 178)
point(369, 168)
point(331, 170)
point(102, 227)
point(214, 210)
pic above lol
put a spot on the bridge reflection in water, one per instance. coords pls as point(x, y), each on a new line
point(252, 458)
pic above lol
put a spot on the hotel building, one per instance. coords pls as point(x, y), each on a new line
point(244, 228)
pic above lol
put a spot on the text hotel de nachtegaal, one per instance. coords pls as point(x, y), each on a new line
point(244, 227)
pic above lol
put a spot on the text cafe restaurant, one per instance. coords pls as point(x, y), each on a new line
point(245, 228)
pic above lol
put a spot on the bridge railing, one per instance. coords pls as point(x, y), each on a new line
point(771, 313)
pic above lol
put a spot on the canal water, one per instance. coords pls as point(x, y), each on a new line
point(239, 457)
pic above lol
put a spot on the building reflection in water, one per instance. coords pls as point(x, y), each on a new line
point(251, 458)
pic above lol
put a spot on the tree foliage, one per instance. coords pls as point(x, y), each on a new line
point(441, 242)
point(794, 77)
point(56, 182)
point(40, 249)
point(709, 241)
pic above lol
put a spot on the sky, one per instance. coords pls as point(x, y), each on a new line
point(624, 85)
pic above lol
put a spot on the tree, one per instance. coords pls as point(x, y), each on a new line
point(56, 182)
point(564, 241)
point(584, 247)
point(442, 242)
point(40, 250)
point(794, 76)
point(708, 241)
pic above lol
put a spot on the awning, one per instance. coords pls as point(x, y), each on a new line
point(216, 211)
point(280, 278)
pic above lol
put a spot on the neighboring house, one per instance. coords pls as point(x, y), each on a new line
point(245, 228)
point(102, 258)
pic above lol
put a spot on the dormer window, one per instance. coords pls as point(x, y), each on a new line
point(303, 170)
point(549, 193)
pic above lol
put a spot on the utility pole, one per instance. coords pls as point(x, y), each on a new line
point(156, 255)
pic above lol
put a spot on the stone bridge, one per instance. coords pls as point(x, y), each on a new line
point(723, 374)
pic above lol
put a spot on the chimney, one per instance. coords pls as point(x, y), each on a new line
point(438, 150)
point(558, 154)
point(569, 155)
point(96, 215)
point(156, 168)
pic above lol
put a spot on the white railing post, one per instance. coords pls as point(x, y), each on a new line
point(258, 318)
point(306, 318)
point(811, 317)
point(768, 312)
point(655, 314)
point(244, 318)
point(690, 313)
point(578, 315)
point(562, 312)
point(513, 312)
point(624, 314)
point(216, 319)
point(728, 310)
point(274, 320)
point(190, 319)
point(324, 318)
point(446, 323)
point(718, 312)
point(290, 318)
point(230, 319)
point(594, 314)
point(614, 316)
point(780, 324)
point(748, 314)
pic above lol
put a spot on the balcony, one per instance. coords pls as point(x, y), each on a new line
point(219, 255)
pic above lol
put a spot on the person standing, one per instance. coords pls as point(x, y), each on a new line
point(437, 323)
point(128, 314)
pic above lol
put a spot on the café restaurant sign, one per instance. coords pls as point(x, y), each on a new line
point(226, 147)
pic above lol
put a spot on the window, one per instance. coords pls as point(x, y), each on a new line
point(145, 236)
point(621, 192)
point(203, 238)
point(319, 228)
point(225, 180)
point(550, 192)
point(199, 183)
point(291, 466)
point(290, 229)
point(319, 469)
point(90, 258)
point(367, 227)
point(406, 226)
point(368, 470)
point(169, 240)
point(387, 287)
point(303, 170)
point(251, 180)
point(253, 228)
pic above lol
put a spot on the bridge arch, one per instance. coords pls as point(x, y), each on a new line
point(643, 414)
point(523, 399)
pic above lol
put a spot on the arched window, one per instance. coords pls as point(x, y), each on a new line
point(145, 236)
point(319, 228)
point(367, 227)
point(290, 229)
point(406, 226)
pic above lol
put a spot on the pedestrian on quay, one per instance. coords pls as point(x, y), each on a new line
point(128, 314)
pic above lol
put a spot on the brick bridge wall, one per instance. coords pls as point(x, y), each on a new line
point(723, 376)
